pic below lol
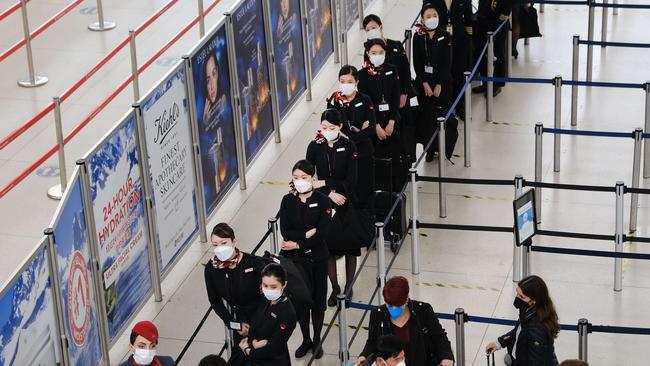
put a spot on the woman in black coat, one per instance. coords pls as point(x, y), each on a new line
point(305, 214)
point(335, 159)
point(413, 322)
point(432, 64)
point(531, 342)
point(233, 277)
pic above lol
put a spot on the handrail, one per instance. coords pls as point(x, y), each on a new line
point(12, 9)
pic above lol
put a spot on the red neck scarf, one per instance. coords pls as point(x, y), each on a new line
point(230, 263)
point(339, 99)
point(319, 137)
point(372, 69)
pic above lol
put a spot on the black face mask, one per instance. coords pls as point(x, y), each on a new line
point(520, 304)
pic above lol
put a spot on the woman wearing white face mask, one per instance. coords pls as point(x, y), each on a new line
point(272, 324)
point(305, 215)
point(233, 277)
point(142, 344)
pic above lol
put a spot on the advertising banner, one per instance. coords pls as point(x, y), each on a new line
point(118, 208)
point(27, 323)
point(166, 119)
point(319, 18)
point(253, 75)
point(289, 54)
point(214, 117)
point(75, 277)
point(352, 13)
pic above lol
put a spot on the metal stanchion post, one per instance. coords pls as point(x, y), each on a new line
point(361, 13)
point(636, 176)
point(615, 11)
point(490, 73)
point(381, 259)
point(344, 31)
point(270, 51)
point(62, 342)
point(509, 47)
point(134, 67)
point(56, 192)
point(583, 338)
point(557, 82)
point(344, 352)
point(525, 261)
point(441, 166)
point(408, 45)
point(646, 142)
point(539, 133)
point(32, 80)
point(306, 47)
point(335, 31)
point(467, 124)
point(516, 250)
point(201, 19)
point(590, 37)
point(460, 318)
point(575, 71)
point(541, 8)
point(603, 30)
point(618, 236)
point(415, 246)
point(101, 25)
point(273, 225)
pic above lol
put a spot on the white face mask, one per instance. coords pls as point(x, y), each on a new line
point(401, 363)
point(431, 23)
point(377, 60)
point(224, 252)
point(347, 89)
point(373, 33)
point(302, 185)
point(271, 295)
point(330, 135)
point(143, 356)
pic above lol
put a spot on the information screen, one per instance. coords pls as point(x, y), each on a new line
point(525, 217)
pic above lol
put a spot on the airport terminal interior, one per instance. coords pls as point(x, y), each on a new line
point(116, 259)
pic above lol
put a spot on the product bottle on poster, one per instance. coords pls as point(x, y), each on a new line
point(288, 70)
point(262, 85)
point(251, 104)
point(221, 157)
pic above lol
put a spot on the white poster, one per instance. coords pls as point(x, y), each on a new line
point(169, 146)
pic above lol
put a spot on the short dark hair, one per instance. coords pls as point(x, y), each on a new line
point(223, 231)
point(388, 346)
point(371, 18)
point(212, 360)
point(349, 70)
point(574, 363)
point(375, 41)
point(277, 271)
point(428, 6)
point(332, 116)
point(304, 165)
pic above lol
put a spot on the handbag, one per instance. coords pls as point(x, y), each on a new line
point(351, 225)
point(528, 25)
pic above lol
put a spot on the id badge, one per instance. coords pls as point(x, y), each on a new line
point(235, 325)
point(428, 69)
point(450, 29)
point(384, 107)
point(414, 102)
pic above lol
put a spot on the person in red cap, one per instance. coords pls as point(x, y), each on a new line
point(413, 322)
point(143, 342)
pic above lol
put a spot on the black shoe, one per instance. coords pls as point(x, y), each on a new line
point(479, 89)
point(515, 53)
point(349, 297)
point(303, 349)
point(496, 91)
point(318, 354)
point(331, 301)
point(430, 156)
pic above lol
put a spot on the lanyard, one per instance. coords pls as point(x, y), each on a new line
point(380, 85)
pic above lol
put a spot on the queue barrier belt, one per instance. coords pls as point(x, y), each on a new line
point(637, 190)
point(570, 187)
point(622, 6)
point(603, 84)
point(589, 252)
point(566, 234)
point(559, 2)
point(496, 229)
point(514, 80)
point(489, 182)
point(615, 44)
point(562, 131)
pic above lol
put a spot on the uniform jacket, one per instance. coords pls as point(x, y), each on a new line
point(432, 52)
point(382, 88)
point(493, 12)
point(459, 16)
point(275, 323)
point(296, 218)
point(355, 113)
point(337, 165)
point(534, 345)
point(396, 56)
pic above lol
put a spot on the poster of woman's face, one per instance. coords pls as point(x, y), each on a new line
point(214, 117)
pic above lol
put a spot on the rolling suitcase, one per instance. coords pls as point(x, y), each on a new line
point(397, 226)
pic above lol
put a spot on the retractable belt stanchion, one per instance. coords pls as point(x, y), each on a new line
point(539, 133)
point(646, 142)
point(344, 352)
point(636, 176)
point(361, 13)
point(270, 51)
point(56, 192)
point(516, 249)
point(590, 37)
point(583, 337)
point(201, 19)
point(32, 80)
point(381, 259)
point(442, 166)
point(603, 29)
point(343, 36)
point(101, 25)
point(557, 119)
point(467, 125)
point(134, 67)
point(273, 225)
point(415, 246)
point(509, 47)
point(575, 72)
point(460, 318)
point(490, 73)
point(306, 47)
point(618, 236)
point(335, 31)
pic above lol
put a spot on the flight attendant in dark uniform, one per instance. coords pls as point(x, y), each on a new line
point(305, 214)
point(380, 81)
point(359, 125)
point(272, 324)
point(396, 56)
point(234, 277)
point(335, 159)
point(432, 64)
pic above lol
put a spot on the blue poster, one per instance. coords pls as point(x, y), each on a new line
point(27, 324)
point(118, 208)
point(253, 74)
point(352, 13)
point(289, 53)
point(75, 277)
point(321, 43)
point(214, 117)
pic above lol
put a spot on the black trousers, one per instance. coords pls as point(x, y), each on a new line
point(499, 48)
